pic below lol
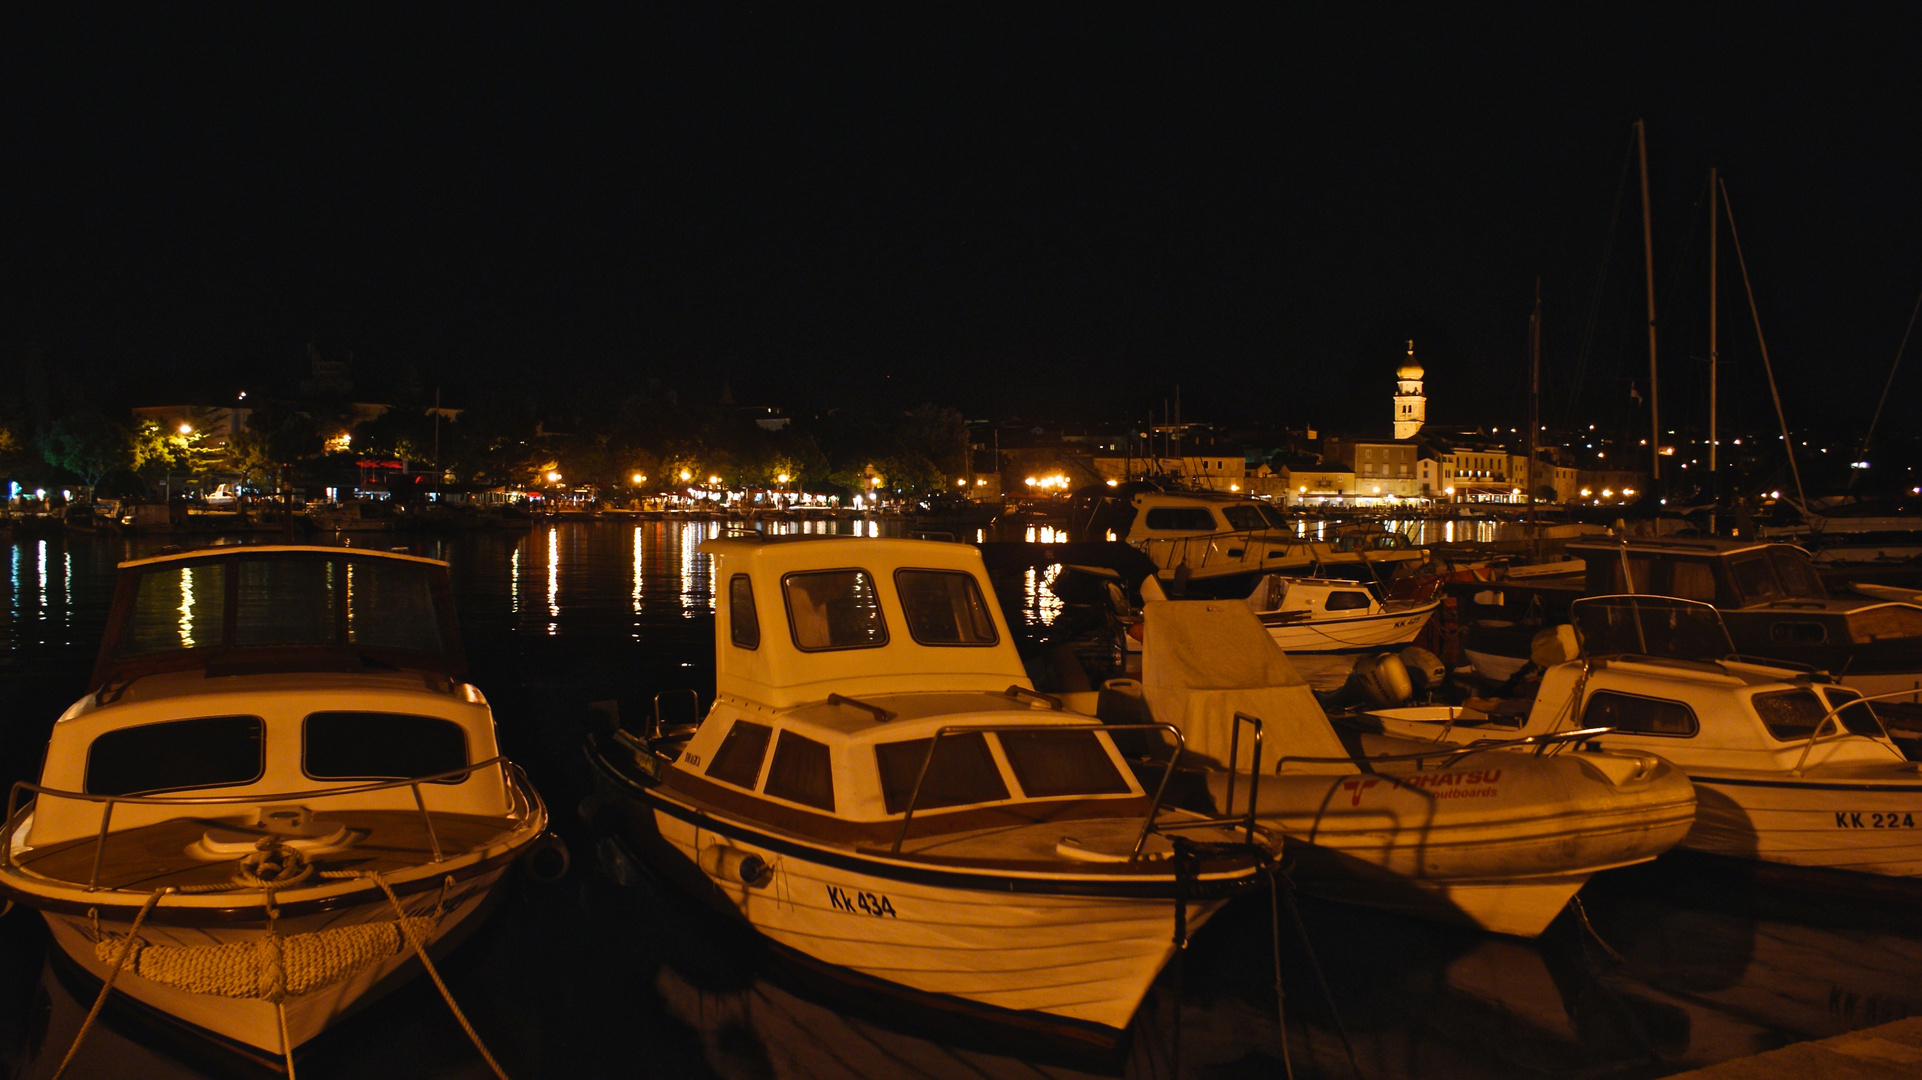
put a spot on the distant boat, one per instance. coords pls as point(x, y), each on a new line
point(1326, 615)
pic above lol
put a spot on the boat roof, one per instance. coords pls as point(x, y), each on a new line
point(255, 608)
point(242, 550)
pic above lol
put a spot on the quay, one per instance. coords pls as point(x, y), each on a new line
point(1878, 1053)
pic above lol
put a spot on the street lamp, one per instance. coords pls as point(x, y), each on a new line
point(553, 477)
point(639, 479)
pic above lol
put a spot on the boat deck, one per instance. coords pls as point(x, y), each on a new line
point(177, 853)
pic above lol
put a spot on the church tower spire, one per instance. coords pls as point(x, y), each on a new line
point(1411, 407)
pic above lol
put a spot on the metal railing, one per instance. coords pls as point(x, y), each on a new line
point(1177, 548)
point(1834, 715)
point(509, 773)
point(1154, 807)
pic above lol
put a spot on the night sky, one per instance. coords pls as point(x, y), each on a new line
point(1055, 210)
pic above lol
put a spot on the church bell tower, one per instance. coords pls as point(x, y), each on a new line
point(1411, 407)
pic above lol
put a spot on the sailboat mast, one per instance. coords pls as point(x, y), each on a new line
point(1713, 310)
point(1648, 275)
point(1534, 394)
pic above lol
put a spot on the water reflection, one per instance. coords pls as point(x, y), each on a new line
point(569, 979)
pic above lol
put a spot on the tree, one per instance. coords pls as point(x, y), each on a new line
point(86, 444)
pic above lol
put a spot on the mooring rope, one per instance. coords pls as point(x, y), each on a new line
point(106, 985)
point(1281, 1000)
point(445, 993)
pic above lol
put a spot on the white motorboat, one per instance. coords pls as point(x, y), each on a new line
point(1789, 767)
point(1326, 615)
point(277, 792)
point(878, 790)
point(1217, 544)
point(1499, 836)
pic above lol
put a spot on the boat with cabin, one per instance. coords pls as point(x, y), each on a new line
point(1218, 543)
point(1334, 615)
point(1791, 767)
point(879, 791)
point(1769, 596)
point(278, 792)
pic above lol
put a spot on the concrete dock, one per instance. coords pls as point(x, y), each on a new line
point(1877, 1053)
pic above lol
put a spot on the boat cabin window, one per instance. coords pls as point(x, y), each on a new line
point(1798, 633)
point(177, 755)
point(1859, 718)
point(1798, 575)
point(1180, 519)
point(1775, 574)
point(744, 626)
point(1245, 518)
point(178, 607)
point(1626, 574)
point(1790, 714)
point(1632, 714)
point(390, 605)
point(738, 761)
point(834, 609)
point(1276, 519)
point(801, 772)
point(280, 600)
point(1347, 600)
point(1051, 763)
point(380, 746)
point(944, 607)
point(1692, 579)
point(962, 772)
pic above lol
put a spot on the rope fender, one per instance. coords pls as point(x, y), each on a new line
point(270, 967)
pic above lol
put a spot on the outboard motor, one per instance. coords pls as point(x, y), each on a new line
point(1425, 670)
point(1383, 681)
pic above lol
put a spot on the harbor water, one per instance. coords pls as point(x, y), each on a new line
point(1666, 967)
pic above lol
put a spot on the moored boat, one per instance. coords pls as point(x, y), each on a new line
point(1791, 767)
point(1323, 615)
point(1497, 836)
point(278, 792)
point(878, 790)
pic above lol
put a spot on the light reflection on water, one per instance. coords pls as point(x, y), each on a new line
point(1711, 970)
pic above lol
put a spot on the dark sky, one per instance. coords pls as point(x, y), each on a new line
point(1051, 209)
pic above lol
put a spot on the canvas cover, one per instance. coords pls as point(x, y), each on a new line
point(1205, 660)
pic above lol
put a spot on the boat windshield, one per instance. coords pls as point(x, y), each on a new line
point(1790, 714)
point(1776, 573)
point(1650, 626)
point(280, 600)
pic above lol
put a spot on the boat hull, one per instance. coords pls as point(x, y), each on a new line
point(255, 1022)
point(1358, 634)
point(1496, 840)
point(1872, 829)
point(1088, 959)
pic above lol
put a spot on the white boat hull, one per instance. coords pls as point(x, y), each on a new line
point(1089, 959)
point(1873, 830)
point(1351, 635)
point(255, 1022)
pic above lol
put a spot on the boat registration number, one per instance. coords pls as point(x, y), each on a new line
point(863, 902)
point(1845, 819)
